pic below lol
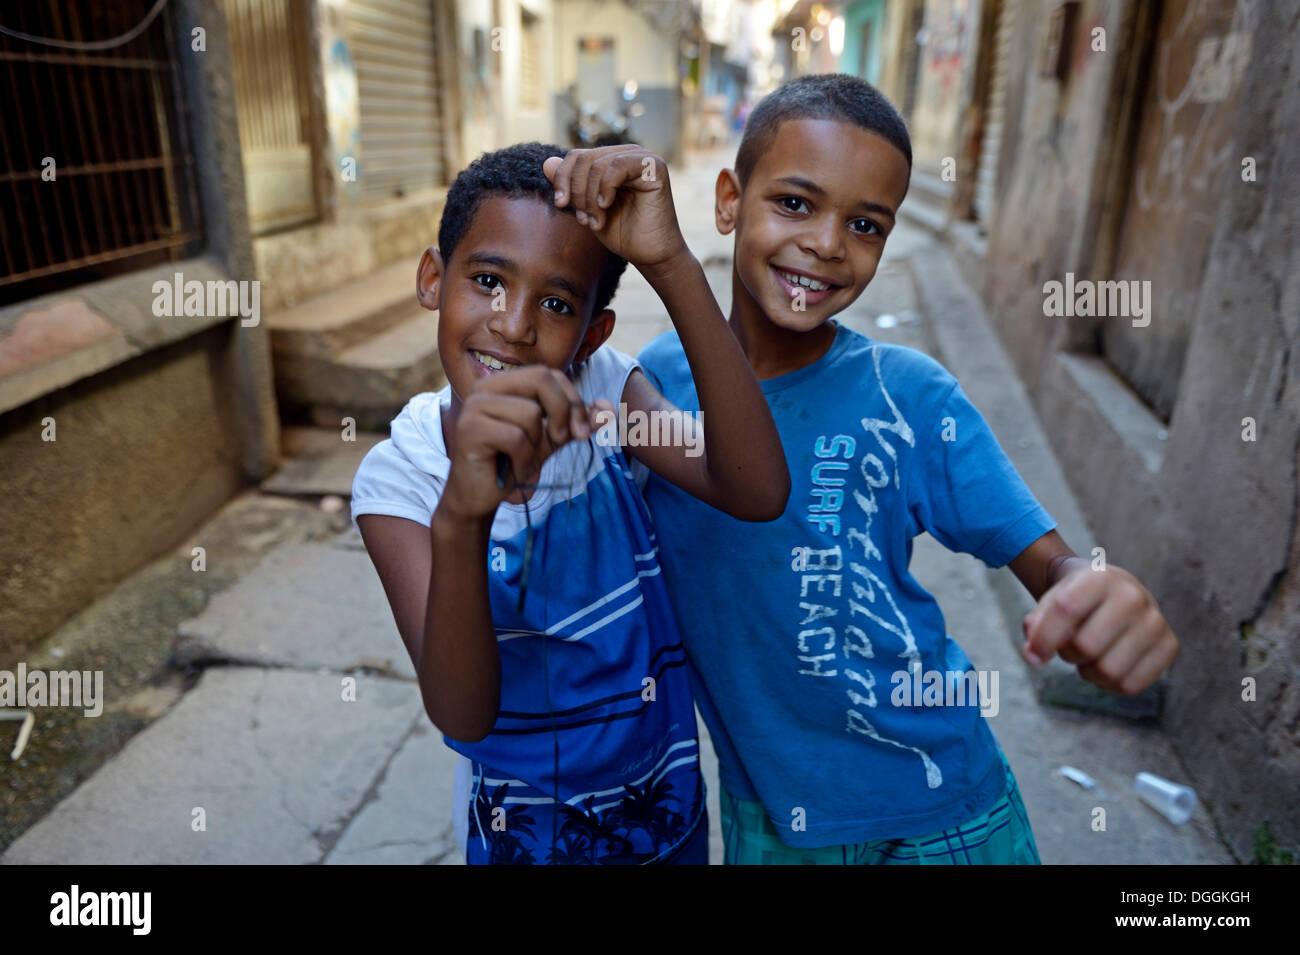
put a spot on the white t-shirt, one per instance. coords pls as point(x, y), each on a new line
point(596, 623)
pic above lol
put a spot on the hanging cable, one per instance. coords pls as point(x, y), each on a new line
point(93, 45)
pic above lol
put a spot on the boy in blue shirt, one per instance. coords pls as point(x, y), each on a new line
point(847, 721)
point(512, 540)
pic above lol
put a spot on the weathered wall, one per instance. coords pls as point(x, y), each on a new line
point(157, 420)
point(1206, 519)
point(142, 454)
point(1237, 503)
point(1054, 139)
point(857, 16)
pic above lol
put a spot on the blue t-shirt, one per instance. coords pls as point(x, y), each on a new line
point(596, 710)
point(818, 659)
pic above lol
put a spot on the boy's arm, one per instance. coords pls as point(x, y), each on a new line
point(1103, 621)
point(623, 194)
point(436, 577)
point(737, 464)
point(454, 651)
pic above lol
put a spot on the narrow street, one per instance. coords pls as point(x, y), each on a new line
point(272, 715)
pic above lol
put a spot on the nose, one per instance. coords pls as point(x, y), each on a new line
point(513, 321)
point(823, 238)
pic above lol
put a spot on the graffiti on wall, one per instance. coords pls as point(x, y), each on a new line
point(1195, 93)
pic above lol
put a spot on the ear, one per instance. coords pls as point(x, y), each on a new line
point(598, 331)
point(427, 279)
point(726, 201)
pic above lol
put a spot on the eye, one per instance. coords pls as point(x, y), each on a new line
point(554, 304)
point(864, 227)
point(486, 280)
point(793, 204)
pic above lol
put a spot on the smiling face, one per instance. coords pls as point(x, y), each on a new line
point(519, 290)
point(811, 221)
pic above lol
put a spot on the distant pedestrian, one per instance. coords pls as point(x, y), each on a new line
point(741, 116)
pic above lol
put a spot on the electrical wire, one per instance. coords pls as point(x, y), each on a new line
point(93, 45)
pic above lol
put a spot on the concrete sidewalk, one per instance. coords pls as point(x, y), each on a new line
point(304, 740)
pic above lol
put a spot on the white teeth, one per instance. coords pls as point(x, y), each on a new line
point(488, 360)
point(806, 282)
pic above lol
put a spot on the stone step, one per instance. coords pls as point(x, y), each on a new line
point(370, 381)
point(345, 317)
point(319, 461)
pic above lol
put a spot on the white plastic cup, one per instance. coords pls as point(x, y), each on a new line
point(1176, 803)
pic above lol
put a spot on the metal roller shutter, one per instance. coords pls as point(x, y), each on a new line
point(986, 178)
point(395, 54)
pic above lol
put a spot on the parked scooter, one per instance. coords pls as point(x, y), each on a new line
point(590, 128)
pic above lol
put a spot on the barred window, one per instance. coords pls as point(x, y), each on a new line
point(96, 168)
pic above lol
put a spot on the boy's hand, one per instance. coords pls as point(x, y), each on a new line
point(526, 414)
point(622, 193)
point(1106, 623)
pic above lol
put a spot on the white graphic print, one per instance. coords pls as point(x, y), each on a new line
point(817, 645)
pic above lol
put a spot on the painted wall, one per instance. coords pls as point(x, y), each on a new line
point(856, 17)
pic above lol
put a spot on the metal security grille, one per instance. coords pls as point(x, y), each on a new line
point(96, 175)
point(394, 49)
point(269, 59)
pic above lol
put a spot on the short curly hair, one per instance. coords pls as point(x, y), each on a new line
point(514, 172)
point(837, 96)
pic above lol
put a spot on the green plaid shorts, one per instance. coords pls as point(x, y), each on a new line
point(1001, 836)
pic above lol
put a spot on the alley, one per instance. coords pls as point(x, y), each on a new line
point(303, 739)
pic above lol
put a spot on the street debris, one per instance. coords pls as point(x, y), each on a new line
point(24, 731)
point(1176, 803)
point(1078, 776)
